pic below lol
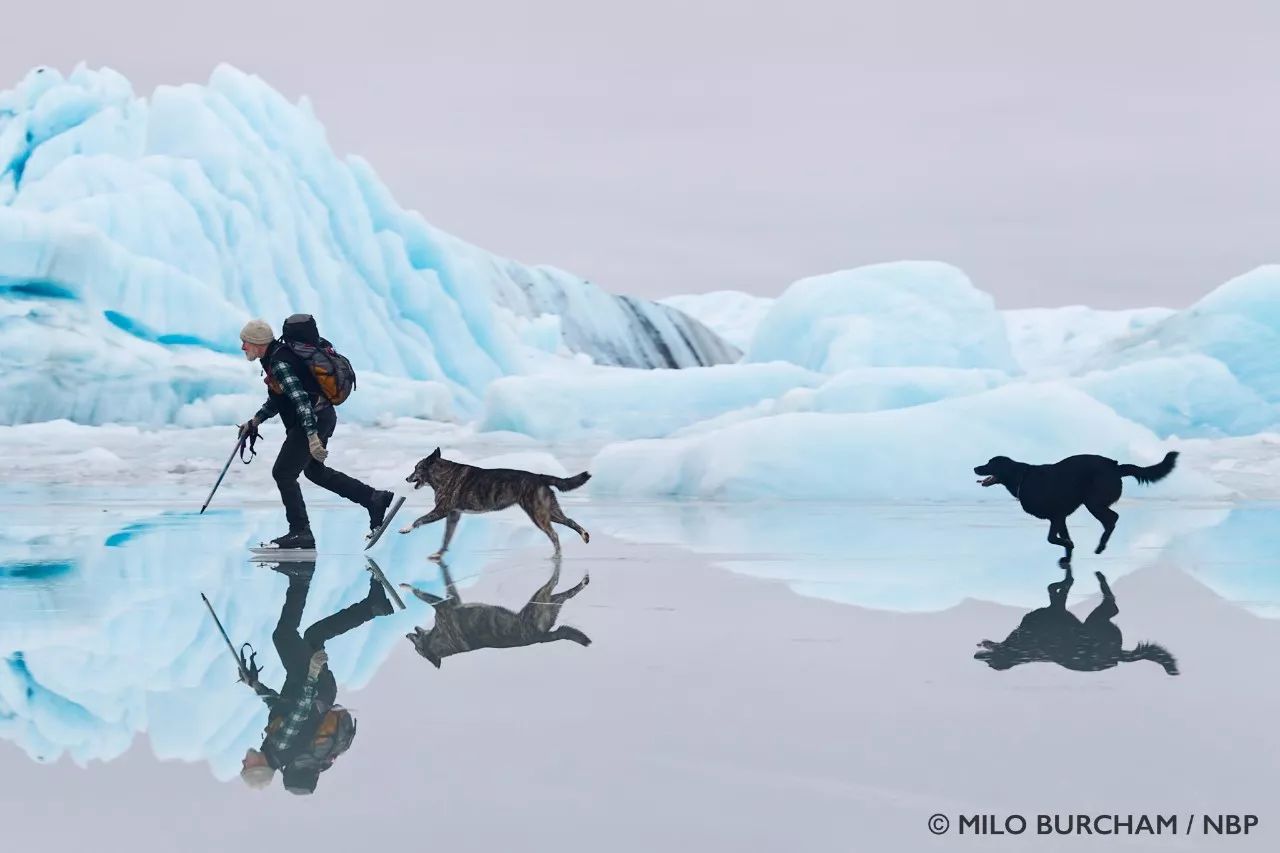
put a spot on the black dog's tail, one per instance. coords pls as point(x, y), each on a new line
point(566, 485)
point(1152, 652)
point(1151, 473)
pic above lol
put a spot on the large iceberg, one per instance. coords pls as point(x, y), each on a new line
point(731, 314)
point(137, 235)
point(1238, 324)
point(921, 453)
point(906, 314)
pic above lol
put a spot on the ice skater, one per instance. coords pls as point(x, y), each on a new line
point(306, 728)
point(294, 393)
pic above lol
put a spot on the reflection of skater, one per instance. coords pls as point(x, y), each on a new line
point(1057, 635)
point(465, 627)
point(309, 419)
point(306, 730)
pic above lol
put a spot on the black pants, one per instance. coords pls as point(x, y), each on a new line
point(296, 649)
point(295, 458)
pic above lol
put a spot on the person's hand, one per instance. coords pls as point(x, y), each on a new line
point(317, 448)
point(318, 661)
point(248, 426)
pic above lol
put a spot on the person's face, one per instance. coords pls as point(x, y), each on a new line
point(252, 352)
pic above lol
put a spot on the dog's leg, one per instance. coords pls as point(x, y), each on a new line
point(1108, 517)
point(450, 525)
point(540, 613)
point(561, 597)
point(448, 582)
point(1107, 609)
point(1059, 589)
point(558, 517)
point(539, 512)
point(429, 598)
point(1058, 536)
point(430, 518)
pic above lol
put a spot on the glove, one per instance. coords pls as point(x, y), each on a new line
point(248, 426)
point(317, 448)
point(318, 661)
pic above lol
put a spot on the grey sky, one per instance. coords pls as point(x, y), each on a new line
point(1114, 154)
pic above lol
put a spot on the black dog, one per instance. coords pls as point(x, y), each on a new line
point(466, 627)
point(465, 488)
point(1055, 491)
point(1055, 634)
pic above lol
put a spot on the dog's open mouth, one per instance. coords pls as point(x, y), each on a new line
point(989, 480)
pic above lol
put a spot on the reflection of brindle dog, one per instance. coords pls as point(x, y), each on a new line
point(466, 627)
point(1057, 635)
point(465, 488)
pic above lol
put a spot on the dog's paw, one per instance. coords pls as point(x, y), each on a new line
point(586, 579)
point(437, 557)
point(1099, 549)
point(586, 537)
point(406, 529)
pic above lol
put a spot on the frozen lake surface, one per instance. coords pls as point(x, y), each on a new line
point(760, 677)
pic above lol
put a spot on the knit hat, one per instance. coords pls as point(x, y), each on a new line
point(258, 776)
point(257, 332)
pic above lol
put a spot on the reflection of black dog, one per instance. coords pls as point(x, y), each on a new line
point(464, 488)
point(465, 627)
point(1055, 491)
point(1056, 634)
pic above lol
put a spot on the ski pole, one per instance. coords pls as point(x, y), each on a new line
point(239, 442)
point(252, 437)
point(240, 663)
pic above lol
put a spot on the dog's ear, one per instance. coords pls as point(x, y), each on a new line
point(435, 454)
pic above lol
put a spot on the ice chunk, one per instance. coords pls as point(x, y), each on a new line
point(908, 314)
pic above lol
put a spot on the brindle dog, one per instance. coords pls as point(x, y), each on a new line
point(466, 627)
point(463, 488)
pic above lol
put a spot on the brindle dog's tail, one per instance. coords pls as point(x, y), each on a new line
point(566, 485)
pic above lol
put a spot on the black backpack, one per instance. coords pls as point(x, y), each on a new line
point(331, 370)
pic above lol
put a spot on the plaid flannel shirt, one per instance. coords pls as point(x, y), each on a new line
point(293, 389)
point(282, 738)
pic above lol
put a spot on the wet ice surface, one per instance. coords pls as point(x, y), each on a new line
point(766, 677)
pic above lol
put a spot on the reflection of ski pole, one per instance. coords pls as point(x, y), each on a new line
point(250, 436)
point(248, 669)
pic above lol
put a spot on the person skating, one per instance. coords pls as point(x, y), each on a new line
point(309, 419)
point(298, 740)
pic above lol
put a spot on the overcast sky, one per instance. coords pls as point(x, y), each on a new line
point(1108, 153)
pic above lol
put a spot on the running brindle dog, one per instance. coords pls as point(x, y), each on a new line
point(463, 488)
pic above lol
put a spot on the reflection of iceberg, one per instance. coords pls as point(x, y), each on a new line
point(908, 558)
point(122, 644)
point(1237, 558)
